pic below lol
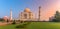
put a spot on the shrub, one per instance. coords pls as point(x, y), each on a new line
point(24, 25)
point(20, 26)
point(14, 22)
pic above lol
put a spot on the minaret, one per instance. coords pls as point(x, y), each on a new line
point(39, 14)
point(10, 14)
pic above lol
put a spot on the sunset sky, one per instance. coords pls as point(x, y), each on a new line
point(48, 7)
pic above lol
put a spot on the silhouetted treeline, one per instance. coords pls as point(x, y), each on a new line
point(1, 19)
point(56, 17)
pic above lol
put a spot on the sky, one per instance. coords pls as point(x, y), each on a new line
point(48, 7)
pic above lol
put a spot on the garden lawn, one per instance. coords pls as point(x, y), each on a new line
point(35, 25)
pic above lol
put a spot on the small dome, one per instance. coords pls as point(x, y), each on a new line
point(6, 17)
point(27, 10)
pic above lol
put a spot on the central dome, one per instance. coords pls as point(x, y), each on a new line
point(27, 10)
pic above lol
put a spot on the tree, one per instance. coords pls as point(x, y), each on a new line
point(57, 16)
point(14, 22)
point(7, 20)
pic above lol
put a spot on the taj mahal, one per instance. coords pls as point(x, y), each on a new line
point(26, 15)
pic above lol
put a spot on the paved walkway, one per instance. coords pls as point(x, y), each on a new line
point(3, 23)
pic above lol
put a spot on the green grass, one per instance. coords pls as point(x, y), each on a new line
point(36, 25)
